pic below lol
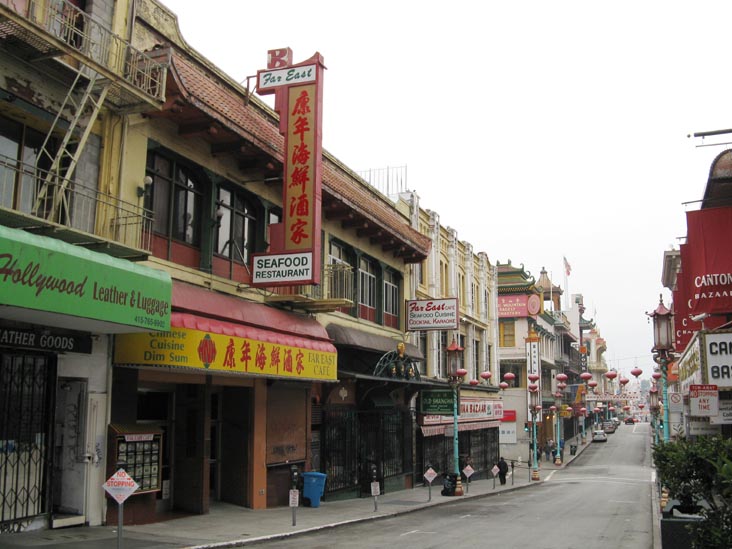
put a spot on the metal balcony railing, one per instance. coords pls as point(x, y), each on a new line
point(59, 26)
point(83, 210)
point(334, 291)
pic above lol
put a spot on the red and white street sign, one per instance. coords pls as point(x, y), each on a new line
point(703, 400)
point(120, 486)
point(468, 471)
point(430, 475)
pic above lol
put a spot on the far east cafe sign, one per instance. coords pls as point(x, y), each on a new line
point(294, 256)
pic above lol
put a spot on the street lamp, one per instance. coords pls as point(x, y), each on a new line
point(535, 409)
point(662, 349)
point(455, 375)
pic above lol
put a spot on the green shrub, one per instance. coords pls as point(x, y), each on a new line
point(699, 475)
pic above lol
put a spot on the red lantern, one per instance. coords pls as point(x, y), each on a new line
point(486, 375)
point(207, 350)
point(592, 383)
point(561, 386)
point(597, 410)
point(533, 378)
point(558, 394)
point(474, 382)
point(533, 387)
point(641, 406)
point(611, 375)
point(585, 376)
point(537, 407)
point(626, 408)
point(562, 377)
point(509, 376)
point(656, 375)
point(624, 381)
point(583, 410)
point(636, 371)
point(612, 408)
point(461, 372)
point(503, 385)
point(553, 408)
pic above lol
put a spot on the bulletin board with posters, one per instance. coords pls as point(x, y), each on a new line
point(138, 450)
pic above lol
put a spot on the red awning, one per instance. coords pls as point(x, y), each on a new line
point(208, 311)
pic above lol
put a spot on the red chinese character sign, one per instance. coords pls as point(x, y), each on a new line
point(294, 256)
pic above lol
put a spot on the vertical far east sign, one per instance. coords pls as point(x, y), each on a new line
point(294, 256)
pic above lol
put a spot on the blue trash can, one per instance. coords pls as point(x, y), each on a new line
point(313, 486)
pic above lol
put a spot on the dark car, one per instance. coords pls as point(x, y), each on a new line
point(629, 421)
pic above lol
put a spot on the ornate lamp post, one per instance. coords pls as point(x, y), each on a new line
point(585, 376)
point(663, 355)
point(654, 411)
point(455, 375)
point(535, 409)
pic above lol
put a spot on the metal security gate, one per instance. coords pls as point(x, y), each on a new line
point(480, 447)
point(354, 441)
point(26, 396)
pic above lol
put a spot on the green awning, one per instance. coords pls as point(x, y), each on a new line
point(47, 281)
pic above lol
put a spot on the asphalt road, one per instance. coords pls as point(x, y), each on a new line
point(603, 500)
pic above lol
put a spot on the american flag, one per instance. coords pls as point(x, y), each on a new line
point(567, 266)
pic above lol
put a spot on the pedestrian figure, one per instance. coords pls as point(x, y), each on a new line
point(502, 470)
point(548, 449)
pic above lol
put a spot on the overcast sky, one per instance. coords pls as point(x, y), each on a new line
point(535, 129)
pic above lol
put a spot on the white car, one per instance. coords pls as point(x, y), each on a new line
point(599, 436)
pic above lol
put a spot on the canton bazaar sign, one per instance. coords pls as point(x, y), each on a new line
point(718, 358)
point(212, 352)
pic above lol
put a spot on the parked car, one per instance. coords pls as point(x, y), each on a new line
point(629, 421)
point(608, 427)
point(615, 420)
point(598, 435)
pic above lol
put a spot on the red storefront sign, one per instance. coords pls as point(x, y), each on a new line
point(295, 249)
point(707, 262)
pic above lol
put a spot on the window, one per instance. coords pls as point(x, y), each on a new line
point(367, 289)
point(22, 167)
point(236, 235)
point(176, 198)
point(507, 333)
point(337, 254)
point(391, 299)
point(441, 370)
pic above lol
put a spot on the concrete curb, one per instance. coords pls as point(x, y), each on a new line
point(379, 516)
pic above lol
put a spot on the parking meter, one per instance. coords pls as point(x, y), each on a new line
point(374, 475)
point(294, 476)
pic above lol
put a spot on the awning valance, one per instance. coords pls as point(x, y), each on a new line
point(360, 339)
point(434, 430)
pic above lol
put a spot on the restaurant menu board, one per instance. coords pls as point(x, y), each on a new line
point(139, 455)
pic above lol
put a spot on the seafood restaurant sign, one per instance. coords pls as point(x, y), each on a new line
point(294, 252)
point(432, 314)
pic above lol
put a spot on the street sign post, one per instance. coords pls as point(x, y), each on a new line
point(429, 476)
point(120, 486)
point(468, 471)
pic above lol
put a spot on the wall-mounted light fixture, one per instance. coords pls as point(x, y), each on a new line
point(147, 183)
point(219, 213)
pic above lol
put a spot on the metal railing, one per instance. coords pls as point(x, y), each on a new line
point(90, 38)
point(388, 181)
point(74, 205)
point(336, 283)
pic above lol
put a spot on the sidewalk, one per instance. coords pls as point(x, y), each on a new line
point(233, 526)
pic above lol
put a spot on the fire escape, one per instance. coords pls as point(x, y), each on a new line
point(101, 69)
